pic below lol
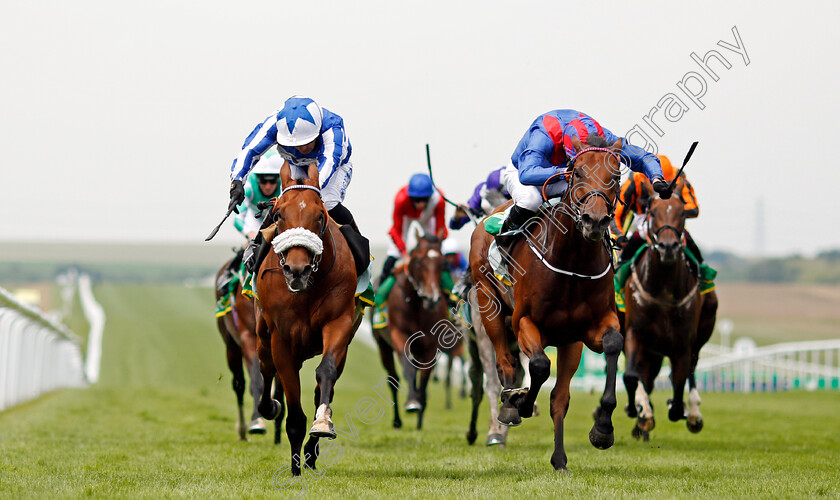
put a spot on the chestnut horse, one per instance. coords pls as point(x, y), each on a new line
point(238, 330)
point(418, 325)
point(306, 289)
point(561, 295)
point(666, 316)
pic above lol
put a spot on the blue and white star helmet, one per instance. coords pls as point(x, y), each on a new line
point(299, 122)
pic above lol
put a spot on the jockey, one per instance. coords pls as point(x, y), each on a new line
point(304, 133)
point(455, 261)
point(263, 185)
point(546, 149)
point(487, 196)
point(632, 196)
point(418, 201)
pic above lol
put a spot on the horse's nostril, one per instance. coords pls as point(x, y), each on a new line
point(587, 219)
point(605, 221)
point(287, 269)
point(307, 269)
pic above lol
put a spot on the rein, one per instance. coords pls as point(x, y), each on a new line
point(577, 215)
point(646, 296)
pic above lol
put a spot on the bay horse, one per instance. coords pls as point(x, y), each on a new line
point(665, 316)
point(238, 330)
point(306, 291)
point(418, 325)
point(565, 306)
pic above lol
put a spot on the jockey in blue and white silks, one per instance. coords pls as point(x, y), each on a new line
point(304, 133)
point(546, 148)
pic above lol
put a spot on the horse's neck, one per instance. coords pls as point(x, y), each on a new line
point(660, 277)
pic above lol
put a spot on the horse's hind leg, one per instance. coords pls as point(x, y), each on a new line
point(448, 382)
point(386, 355)
point(234, 359)
point(497, 433)
point(249, 351)
point(425, 375)
point(477, 392)
point(632, 355)
point(278, 421)
point(568, 359)
point(601, 435)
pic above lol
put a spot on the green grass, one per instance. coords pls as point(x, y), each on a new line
point(161, 424)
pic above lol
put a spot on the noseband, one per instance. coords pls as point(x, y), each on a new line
point(300, 236)
point(653, 236)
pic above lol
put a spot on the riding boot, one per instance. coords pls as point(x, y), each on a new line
point(516, 219)
point(693, 248)
point(387, 269)
point(633, 244)
point(258, 250)
point(342, 215)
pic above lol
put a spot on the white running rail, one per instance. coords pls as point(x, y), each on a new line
point(37, 355)
point(96, 319)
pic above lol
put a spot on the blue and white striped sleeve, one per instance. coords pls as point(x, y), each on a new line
point(261, 138)
point(334, 149)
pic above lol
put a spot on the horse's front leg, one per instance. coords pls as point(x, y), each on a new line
point(694, 421)
point(425, 375)
point(539, 366)
point(268, 407)
point(610, 343)
point(336, 337)
point(680, 366)
point(568, 359)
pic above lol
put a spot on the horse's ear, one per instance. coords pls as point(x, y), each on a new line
point(285, 175)
point(312, 174)
point(618, 144)
point(417, 235)
point(577, 145)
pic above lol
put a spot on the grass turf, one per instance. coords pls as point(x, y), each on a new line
point(161, 424)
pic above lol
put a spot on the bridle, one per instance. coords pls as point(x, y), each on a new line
point(316, 259)
point(574, 207)
point(653, 236)
point(414, 284)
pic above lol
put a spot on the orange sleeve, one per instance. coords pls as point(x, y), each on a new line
point(628, 195)
point(691, 206)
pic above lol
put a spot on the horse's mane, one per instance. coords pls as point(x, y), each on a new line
point(596, 141)
point(430, 238)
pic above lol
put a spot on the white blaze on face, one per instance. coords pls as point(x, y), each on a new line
point(694, 403)
point(433, 253)
point(302, 204)
point(643, 400)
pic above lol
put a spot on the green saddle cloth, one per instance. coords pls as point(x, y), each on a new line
point(622, 274)
point(493, 223)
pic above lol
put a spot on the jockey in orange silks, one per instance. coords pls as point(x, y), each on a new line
point(633, 197)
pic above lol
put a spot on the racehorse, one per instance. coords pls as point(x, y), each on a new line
point(485, 378)
point(418, 325)
point(306, 289)
point(665, 316)
point(560, 306)
point(238, 331)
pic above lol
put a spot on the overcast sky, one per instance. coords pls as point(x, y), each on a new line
point(119, 120)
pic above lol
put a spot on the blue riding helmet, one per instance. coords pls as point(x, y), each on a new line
point(420, 186)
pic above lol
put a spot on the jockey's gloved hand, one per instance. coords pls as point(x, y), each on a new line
point(621, 241)
point(237, 195)
point(661, 187)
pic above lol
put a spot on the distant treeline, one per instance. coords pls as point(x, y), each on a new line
point(823, 269)
point(32, 272)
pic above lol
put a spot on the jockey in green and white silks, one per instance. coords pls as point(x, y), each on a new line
point(262, 185)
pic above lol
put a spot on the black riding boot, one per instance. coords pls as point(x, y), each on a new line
point(256, 252)
point(387, 269)
point(342, 215)
point(689, 242)
point(633, 244)
point(516, 219)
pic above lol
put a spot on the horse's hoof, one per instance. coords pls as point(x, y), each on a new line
point(632, 411)
point(270, 410)
point(257, 426)
point(600, 440)
point(397, 424)
point(513, 395)
point(636, 432)
point(509, 416)
point(322, 429)
point(495, 439)
point(536, 411)
point(413, 406)
point(472, 436)
point(675, 414)
point(646, 424)
point(693, 425)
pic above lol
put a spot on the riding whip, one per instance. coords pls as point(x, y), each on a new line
point(687, 157)
point(429, 163)
point(216, 229)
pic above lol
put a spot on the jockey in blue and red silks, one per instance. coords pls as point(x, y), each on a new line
point(546, 149)
point(488, 195)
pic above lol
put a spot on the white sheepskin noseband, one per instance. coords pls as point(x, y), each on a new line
point(298, 237)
